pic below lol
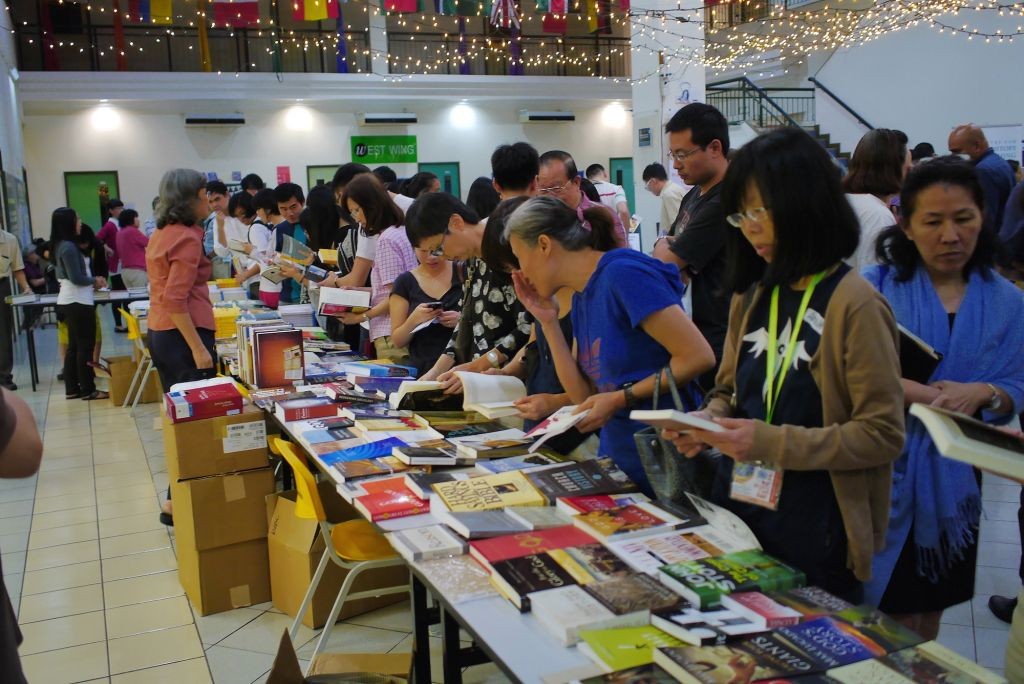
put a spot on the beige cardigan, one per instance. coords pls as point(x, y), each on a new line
point(857, 371)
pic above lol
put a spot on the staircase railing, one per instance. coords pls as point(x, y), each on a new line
point(823, 88)
point(741, 100)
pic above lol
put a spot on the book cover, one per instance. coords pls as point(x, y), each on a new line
point(277, 358)
point(321, 448)
point(518, 577)
point(648, 554)
point(632, 593)
point(305, 408)
point(479, 524)
point(574, 505)
point(538, 517)
point(811, 602)
point(489, 551)
point(645, 674)
point(491, 444)
point(875, 629)
point(918, 359)
point(703, 582)
point(382, 385)
point(489, 492)
point(363, 451)
point(971, 441)
point(423, 483)
point(739, 663)
point(387, 424)
point(932, 663)
point(332, 435)
point(470, 429)
point(426, 543)
point(372, 411)
point(625, 522)
point(589, 563)
point(395, 502)
point(441, 455)
point(355, 470)
point(497, 464)
point(876, 672)
point(560, 422)
point(828, 643)
point(334, 300)
point(587, 478)
point(623, 648)
point(761, 609)
point(565, 610)
point(704, 628)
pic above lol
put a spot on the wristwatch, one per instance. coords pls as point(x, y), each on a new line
point(492, 358)
point(627, 389)
point(996, 402)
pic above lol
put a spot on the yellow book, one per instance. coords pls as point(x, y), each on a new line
point(489, 493)
point(329, 256)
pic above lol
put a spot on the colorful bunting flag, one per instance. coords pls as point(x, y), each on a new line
point(314, 10)
point(505, 14)
point(401, 6)
point(592, 16)
point(236, 13)
point(555, 23)
point(138, 11)
point(160, 11)
point(463, 8)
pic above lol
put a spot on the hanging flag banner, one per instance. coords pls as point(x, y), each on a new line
point(138, 12)
point(236, 13)
point(401, 6)
point(160, 11)
point(504, 14)
point(314, 10)
point(555, 23)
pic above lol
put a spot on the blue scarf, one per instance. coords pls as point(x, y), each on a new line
point(984, 346)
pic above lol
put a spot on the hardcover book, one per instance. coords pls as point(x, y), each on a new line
point(489, 492)
point(971, 441)
point(589, 563)
point(389, 498)
point(501, 464)
point(703, 582)
point(488, 551)
point(363, 451)
point(516, 578)
point(426, 543)
point(355, 470)
point(875, 629)
point(587, 478)
point(933, 663)
point(648, 554)
point(491, 444)
point(479, 524)
point(761, 609)
point(422, 484)
point(811, 602)
point(306, 408)
point(626, 522)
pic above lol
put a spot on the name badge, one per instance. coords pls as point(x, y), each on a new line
point(756, 483)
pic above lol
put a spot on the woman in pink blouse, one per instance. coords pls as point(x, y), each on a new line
point(131, 249)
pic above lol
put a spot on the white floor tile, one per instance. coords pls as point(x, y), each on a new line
point(232, 665)
point(958, 638)
point(263, 635)
point(991, 646)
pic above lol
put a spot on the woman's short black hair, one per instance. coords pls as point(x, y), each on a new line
point(495, 249)
point(876, 167)
point(588, 188)
point(893, 247)
point(62, 225)
point(815, 227)
point(244, 201)
point(320, 217)
point(419, 184)
point(265, 200)
point(127, 218)
point(345, 173)
point(252, 182)
point(429, 216)
point(482, 197)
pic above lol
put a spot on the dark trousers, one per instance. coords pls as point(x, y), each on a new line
point(80, 320)
point(173, 357)
point(116, 283)
point(6, 333)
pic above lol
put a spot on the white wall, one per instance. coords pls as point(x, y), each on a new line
point(925, 83)
point(150, 141)
point(10, 120)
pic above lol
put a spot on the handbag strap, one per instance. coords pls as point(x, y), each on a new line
point(676, 399)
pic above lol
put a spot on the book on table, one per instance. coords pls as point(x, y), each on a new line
point(490, 551)
point(277, 357)
point(558, 423)
point(348, 471)
point(643, 674)
point(574, 505)
point(585, 478)
point(929, 661)
point(492, 395)
point(362, 451)
point(426, 543)
point(918, 359)
point(378, 368)
point(389, 498)
point(624, 648)
point(489, 492)
point(423, 483)
point(724, 520)
point(810, 602)
point(538, 517)
point(761, 609)
point(703, 582)
point(490, 444)
point(305, 408)
point(412, 387)
point(967, 439)
point(444, 455)
point(478, 524)
point(521, 461)
point(649, 554)
point(627, 522)
point(704, 627)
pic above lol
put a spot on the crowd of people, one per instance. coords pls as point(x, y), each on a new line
point(773, 299)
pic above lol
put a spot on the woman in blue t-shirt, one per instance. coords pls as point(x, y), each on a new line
point(627, 322)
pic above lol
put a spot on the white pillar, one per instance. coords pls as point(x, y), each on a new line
point(667, 73)
point(378, 38)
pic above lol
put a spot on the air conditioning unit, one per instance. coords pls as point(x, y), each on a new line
point(374, 119)
point(526, 116)
point(235, 119)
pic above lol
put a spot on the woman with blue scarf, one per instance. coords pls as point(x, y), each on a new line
point(936, 272)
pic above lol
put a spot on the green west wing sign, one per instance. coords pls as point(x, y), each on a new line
point(384, 149)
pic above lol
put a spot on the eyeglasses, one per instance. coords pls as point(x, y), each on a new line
point(683, 155)
point(439, 250)
point(557, 190)
point(755, 215)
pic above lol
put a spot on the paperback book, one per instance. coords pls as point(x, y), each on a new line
point(489, 492)
point(348, 471)
point(478, 524)
point(704, 628)
point(971, 441)
point(649, 554)
point(541, 458)
point(586, 478)
point(703, 582)
point(489, 551)
point(423, 483)
point(627, 522)
point(426, 543)
point(621, 649)
point(363, 451)
point(303, 409)
point(491, 395)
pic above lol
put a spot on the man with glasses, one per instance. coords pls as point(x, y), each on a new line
point(560, 178)
point(671, 194)
point(698, 138)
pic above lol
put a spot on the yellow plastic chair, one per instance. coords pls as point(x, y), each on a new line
point(354, 545)
point(145, 368)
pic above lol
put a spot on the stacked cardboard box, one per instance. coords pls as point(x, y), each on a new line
point(220, 479)
point(122, 370)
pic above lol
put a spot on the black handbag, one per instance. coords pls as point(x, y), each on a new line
point(672, 475)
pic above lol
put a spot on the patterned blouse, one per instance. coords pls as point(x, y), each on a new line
point(492, 316)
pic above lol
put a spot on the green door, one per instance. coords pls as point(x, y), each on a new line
point(620, 171)
point(448, 172)
point(82, 190)
point(319, 175)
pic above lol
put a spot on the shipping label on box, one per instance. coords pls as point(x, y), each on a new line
point(244, 436)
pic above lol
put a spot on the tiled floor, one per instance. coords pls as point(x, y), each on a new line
point(92, 572)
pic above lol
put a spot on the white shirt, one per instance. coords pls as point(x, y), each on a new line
point(233, 230)
point(874, 216)
point(263, 239)
point(403, 202)
point(10, 255)
point(611, 194)
point(671, 197)
point(77, 294)
point(366, 246)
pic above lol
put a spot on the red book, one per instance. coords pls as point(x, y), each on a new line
point(396, 501)
point(760, 609)
point(488, 551)
point(574, 505)
point(203, 402)
point(305, 409)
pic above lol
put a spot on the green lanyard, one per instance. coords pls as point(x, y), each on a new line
point(775, 386)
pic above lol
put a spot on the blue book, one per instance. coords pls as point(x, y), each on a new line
point(829, 643)
point(363, 451)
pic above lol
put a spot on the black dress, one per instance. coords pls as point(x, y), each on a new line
point(428, 344)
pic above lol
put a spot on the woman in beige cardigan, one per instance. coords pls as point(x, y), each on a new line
point(808, 394)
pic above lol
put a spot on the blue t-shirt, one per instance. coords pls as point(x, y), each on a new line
point(290, 289)
point(611, 347)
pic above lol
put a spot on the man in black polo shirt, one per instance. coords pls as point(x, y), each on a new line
point(698, 138)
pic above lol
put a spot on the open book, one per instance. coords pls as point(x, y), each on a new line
point(334, 300)
point(963, 438)
point(559, 422)
point(675, 420)
point(918, 359)
point(411, 387)
point(491, 395)
point(294, 251)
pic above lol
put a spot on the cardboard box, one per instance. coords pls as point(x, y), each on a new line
point(200, 403)
point(216, 446)
point(392, 668)
point(225, 578)
point(211, 512)
point(122, 370)
point(295, 548)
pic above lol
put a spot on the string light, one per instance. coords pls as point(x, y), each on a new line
point(771, 37)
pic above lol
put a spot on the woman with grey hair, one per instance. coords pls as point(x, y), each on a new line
point(626, 318)
point(181, 324)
